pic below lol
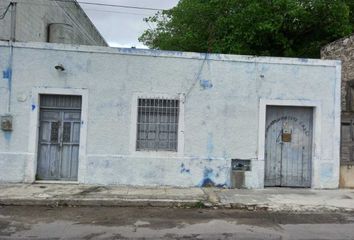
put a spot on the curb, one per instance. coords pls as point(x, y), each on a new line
point(285, 208)
point(168, 203)
point(100, 202)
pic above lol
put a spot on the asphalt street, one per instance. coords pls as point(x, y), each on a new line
point(169, 223)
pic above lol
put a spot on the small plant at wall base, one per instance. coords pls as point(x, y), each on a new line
point(38, 178)
point(199, 204)
point(289, 28)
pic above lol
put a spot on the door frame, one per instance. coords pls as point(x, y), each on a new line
point(31, 166)
point(316, 132)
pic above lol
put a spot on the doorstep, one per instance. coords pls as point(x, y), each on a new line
point(55, 182)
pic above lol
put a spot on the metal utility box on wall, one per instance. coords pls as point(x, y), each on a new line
point(238, 169)
point(6, 123)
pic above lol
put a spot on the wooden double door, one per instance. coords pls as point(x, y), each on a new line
point(59, 138)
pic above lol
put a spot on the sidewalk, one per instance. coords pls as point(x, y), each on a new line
point(271, 199)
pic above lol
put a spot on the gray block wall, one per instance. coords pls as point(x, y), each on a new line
point(34, 17)
point(342, 49)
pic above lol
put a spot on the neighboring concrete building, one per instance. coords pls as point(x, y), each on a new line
point(97, 115)
point(47, 21)
point(343, 49)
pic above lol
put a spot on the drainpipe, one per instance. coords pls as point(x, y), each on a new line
point(12, 40)
point(13, 22)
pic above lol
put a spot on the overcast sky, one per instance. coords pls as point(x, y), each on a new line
point(121, 27)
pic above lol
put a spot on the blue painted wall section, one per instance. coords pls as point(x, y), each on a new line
point(7, 73)
point(206, 84)
point(208, 180)
point(7, 136)
point(208, 175)
point(326, 172)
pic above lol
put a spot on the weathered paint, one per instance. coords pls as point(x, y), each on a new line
point(220, 123)
point(206, 84)
point(7, 73)
point(208, 177)
point(326, 172)
point(7, 136)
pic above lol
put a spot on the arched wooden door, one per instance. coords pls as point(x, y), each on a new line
point(288, 146)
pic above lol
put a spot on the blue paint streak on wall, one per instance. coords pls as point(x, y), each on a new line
point(224, 185)
point(206, 84)
point(150, 52)
point(207, 176)
point(7, 74)
point(225, 155)
point(249, 69)
point(326, 172)
point(210, 146)
point(33, 107)
point(184, 169)
point(265, 68)
point(7, 136)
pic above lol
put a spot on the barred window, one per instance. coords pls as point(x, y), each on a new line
point(157, 124)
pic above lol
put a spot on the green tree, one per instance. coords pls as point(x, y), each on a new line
point(290, 28)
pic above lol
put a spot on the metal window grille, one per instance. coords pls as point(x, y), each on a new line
point(157, 124)
point(60, 101)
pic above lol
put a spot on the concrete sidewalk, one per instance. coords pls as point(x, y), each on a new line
point(271, 199)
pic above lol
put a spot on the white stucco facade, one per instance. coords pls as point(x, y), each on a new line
point(222, 113)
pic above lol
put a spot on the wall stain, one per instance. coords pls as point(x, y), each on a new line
point(7, 136)
point(184, 169)
point(304, 60)
point(206, 84)
point(210, 146)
